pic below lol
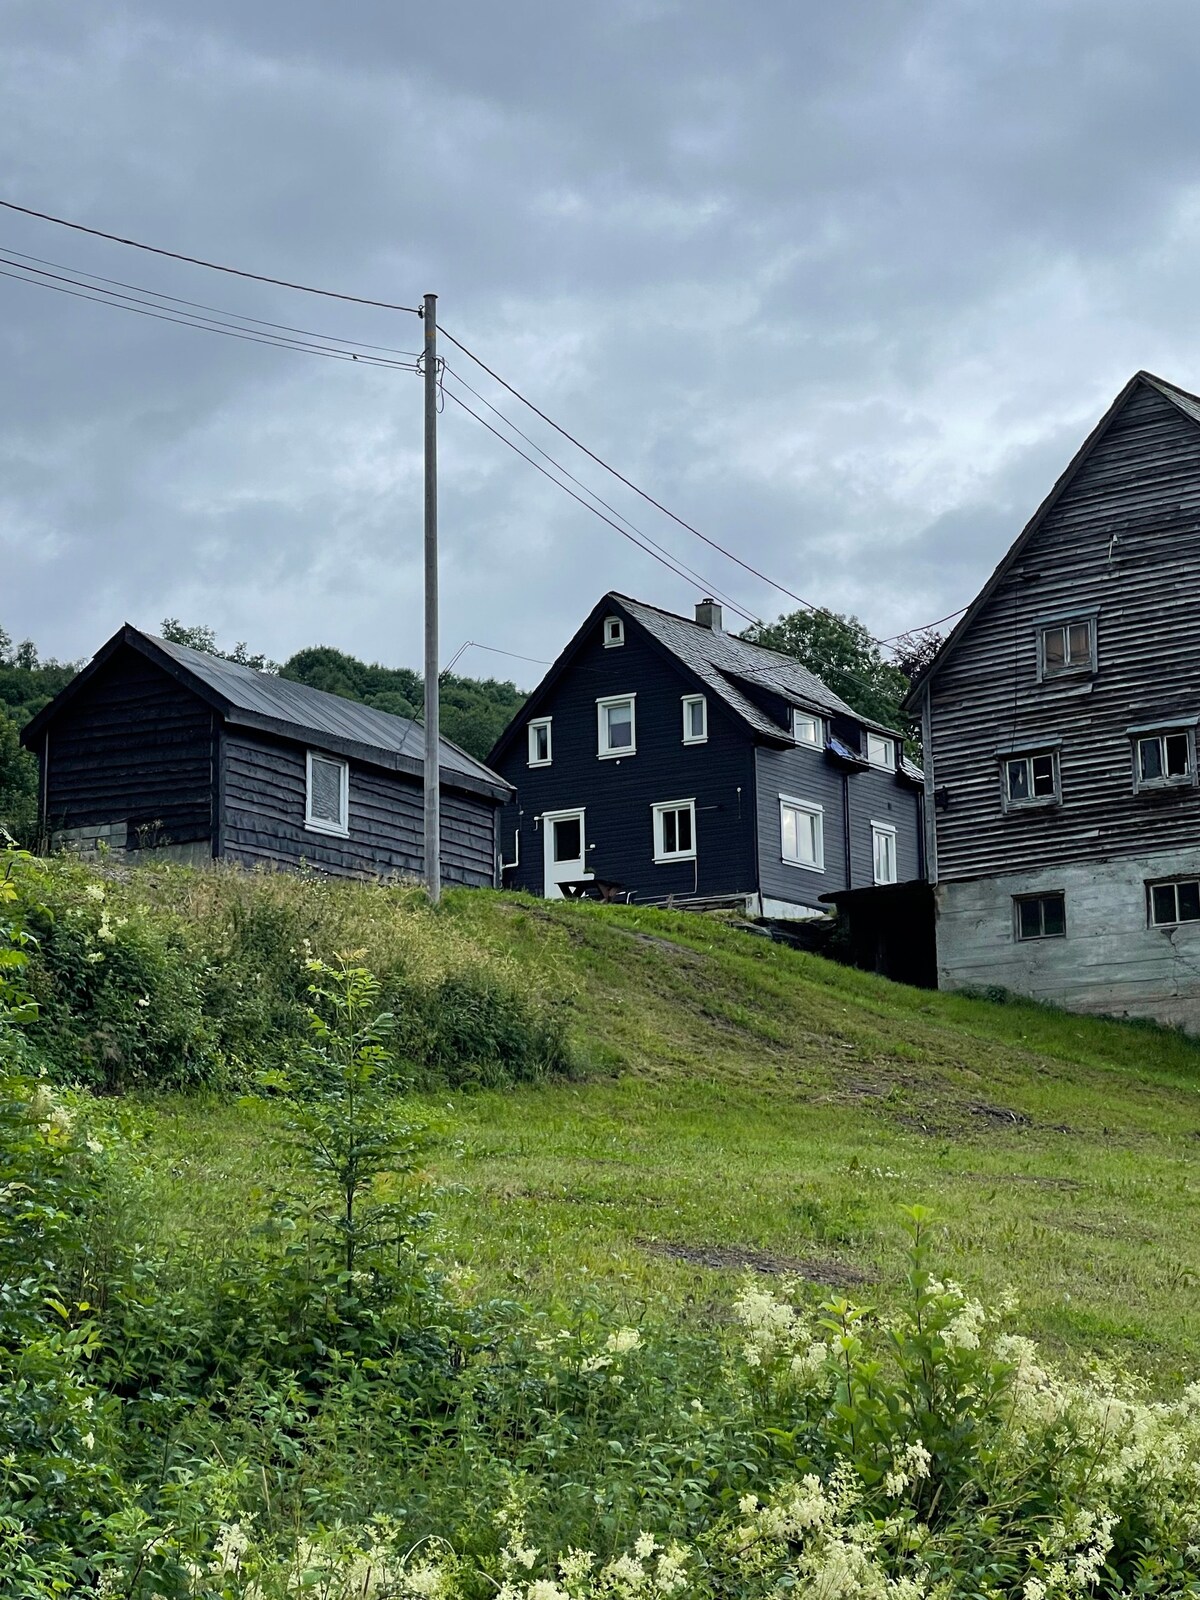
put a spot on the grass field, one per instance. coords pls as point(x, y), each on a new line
point(743, 1105)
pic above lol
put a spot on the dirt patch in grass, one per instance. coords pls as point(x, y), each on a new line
point(732, 1257)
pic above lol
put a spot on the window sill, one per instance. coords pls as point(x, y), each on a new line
point(1162, 785)
point(804, 866)
point(539, 763)
point(326, 828)
point(666, 861)
point(703, 739)
point(615, 755)
point(1040, 804)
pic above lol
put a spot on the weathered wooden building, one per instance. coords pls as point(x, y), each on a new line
point(662, 758)
point(1060, 718)
point(154, 747)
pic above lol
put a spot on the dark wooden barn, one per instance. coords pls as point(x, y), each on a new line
point(154, 747)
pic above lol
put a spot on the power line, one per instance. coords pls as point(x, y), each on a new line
point(922, 627)
point(198, 261)
point(199, 305)
point(650, 551)
point(599, 499)
point(202, 324)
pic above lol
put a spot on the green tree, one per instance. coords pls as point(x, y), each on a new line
point(202, 638)
point(18, 783)
point(843, 655)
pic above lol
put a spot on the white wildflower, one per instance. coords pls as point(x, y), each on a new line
point(94, 891)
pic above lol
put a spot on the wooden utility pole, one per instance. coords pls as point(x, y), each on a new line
point(433, 806)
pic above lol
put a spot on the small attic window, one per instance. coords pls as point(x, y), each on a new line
point(614, 632)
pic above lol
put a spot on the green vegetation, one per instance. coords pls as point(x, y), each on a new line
point(269, 1326)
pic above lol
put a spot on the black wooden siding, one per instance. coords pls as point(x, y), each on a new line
point(618, 794)
point(1124, 540)
point(264, 806)
point(136, 747)
point(862, 797)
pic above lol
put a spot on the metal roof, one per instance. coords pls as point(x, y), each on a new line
point(246, 698)
point(722, 658)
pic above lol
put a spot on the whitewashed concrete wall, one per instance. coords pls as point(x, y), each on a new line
point(1110, 960)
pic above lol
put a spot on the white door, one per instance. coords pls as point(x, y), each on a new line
point(565, 850)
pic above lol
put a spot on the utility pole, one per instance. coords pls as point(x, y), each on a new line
point(433, 806)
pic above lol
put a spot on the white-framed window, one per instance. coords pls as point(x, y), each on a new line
point(614, 632)
point(1040, 916)
point(1164, 760)
point(802, 833)
point(883, 851)
point(881, 752)
point(1173, 902)
point(675, 830)
point(695, 719)
point(327, 795)
point(1066, 648)
point(1030, 779)
point(616, 727)
point(807, 729)
point(539, 742)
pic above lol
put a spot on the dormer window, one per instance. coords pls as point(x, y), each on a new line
point(614, 632)
point(1067, 648)
point(807, 729)
point(539, 742)
point(881, 752)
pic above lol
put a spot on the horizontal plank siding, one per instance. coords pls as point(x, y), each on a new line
point(264, 807)
point(1123, 541)
point(132, 747)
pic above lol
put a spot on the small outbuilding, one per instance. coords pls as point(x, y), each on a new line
point(155, 749)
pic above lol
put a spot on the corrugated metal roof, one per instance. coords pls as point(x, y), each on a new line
point(311, 713)
point(717, 657)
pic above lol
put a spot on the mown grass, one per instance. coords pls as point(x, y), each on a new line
point(742, 1103)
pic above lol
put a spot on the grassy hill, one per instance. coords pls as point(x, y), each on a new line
point(739, 1104)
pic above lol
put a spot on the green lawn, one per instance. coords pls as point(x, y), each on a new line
point(743, 1104)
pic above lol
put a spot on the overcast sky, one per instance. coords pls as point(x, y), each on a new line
point(842, 285)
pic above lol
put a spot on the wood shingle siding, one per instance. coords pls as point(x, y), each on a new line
point(1122, 542)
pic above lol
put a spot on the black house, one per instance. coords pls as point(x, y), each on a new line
point(665, 759)
point(154, 747)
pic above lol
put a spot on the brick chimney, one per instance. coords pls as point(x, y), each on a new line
point(708, 615)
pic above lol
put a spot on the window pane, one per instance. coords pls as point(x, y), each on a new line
point(1162, 902)
point(1189, 901)
point(684, 828)
point(788, 823)
point(1054, 915)
point(1043, 775)
point(1080, 643)
point(1054, 648)
point(670, 835)
point(1150, 757)
point(695, 710)
point(326, 805)
point(619, 722)
point(1030, 918)
point(568, 839)
point(1018, 780)
point(1178, 764)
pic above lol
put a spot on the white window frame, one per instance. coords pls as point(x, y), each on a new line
point(817, 742)
point(817, 812)
point(661, 854)
point(614, 632)
point(1165, 731)
point(1174, 884)
point(1070, 669)
point(690, 700)
point(337, 830)
point(884, 830)
point(535, 726)
point(602, 704)
point(889, 763)
point(1024, 802)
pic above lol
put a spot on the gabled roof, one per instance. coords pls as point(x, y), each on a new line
point(1188, 404)
point(260, 700)
point(721, 663)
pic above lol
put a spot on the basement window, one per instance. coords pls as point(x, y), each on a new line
point(327, 795)
point(1164, 760)
point(1170, 903)
point(1040, 916)
point(675, 830)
